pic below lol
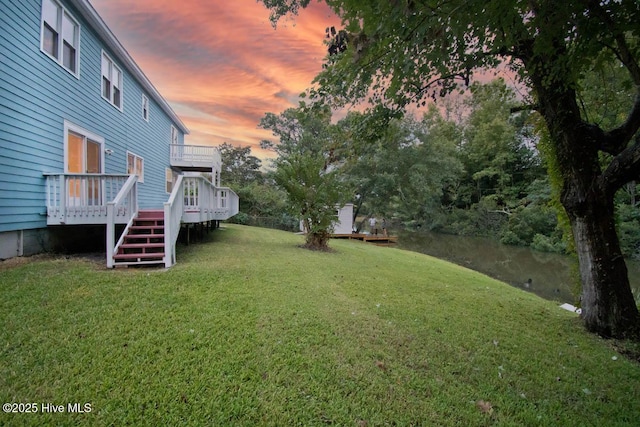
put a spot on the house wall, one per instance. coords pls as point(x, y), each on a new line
point(37, 95)
point(24, 243)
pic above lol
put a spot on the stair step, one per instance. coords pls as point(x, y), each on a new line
point(144, 236)
point(141, 245)
point(155, 214)
point(155, 220)
point(147, 227)
point(139, 256)
point(137, 263)
point(141, 251)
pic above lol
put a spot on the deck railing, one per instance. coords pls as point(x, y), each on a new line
point(122, 209)
point(74, 198)
point(195, 155)
point(203, 201)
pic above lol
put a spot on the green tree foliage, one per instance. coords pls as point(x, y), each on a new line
point(501, 163)
point(495, 149)
point(403, 172)
point(239, 167)
point(261, 201)
point(394, 53)
point(476, 175)
point(307, 169)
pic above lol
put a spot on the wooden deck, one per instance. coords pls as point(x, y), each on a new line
point(378, 239)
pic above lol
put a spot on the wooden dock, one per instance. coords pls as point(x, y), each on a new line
point(377, 239)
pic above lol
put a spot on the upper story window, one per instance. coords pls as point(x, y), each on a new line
point(60, 36)
point(174, 135)
point(145, 108)
point(111, 81)
point(135, 166)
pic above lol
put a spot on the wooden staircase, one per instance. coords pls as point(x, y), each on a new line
point(144, 242)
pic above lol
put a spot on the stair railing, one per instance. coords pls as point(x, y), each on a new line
point(122, 209)
point(172, 217)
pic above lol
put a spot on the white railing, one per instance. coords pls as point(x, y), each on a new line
point(80, 198)
point(122, 209)
point(173, 210)
point(203, 201)
point(195, 155)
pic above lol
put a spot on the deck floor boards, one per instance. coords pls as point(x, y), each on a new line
point(378, 239)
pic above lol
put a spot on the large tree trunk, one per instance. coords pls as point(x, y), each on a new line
point(318, 241)
point(608, 306)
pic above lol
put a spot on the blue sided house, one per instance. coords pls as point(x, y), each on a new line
point(89, 149)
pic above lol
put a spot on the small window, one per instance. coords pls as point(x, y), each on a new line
point(60, 36)
point(223, 199)
point(170, 179)
point(111, 82)
point(135, 166)
point(174, 135)
point(145, 108)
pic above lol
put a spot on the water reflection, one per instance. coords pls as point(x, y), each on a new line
point(545, 274)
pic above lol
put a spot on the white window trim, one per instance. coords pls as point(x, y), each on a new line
point(135, 164)
point(145, 103)
point(60, 60)
point(111, 91)
point(223, 198)
point(68, 126)
point(175, 137)
point(168, 171)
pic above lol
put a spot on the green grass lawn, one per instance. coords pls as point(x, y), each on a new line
point(248, 329)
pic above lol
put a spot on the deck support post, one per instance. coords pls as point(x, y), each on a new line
point(110, 233)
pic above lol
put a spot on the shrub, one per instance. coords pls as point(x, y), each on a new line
point(544, 243)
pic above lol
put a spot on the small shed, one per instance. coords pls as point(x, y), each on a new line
point(344, 225)
point(344, 222)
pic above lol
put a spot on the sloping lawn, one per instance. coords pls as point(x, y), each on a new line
point(247, 329)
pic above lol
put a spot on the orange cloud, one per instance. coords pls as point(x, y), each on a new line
point(221, 65)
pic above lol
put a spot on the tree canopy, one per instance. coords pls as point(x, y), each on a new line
point(239, 166)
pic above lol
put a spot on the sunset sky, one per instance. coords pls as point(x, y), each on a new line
point(220, 64)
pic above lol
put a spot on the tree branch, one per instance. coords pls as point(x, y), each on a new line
point(622, 52)
point(505, 211)
point(528, 107)
point(615, 141)
point(420, 91)
point(624, 168)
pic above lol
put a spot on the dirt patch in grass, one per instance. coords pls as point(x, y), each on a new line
point(22, 260)
point(628, 349)
point(97, 259)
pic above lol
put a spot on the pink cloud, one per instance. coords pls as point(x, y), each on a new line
point(221, 65)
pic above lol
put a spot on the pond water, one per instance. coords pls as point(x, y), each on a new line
point(546, 274)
